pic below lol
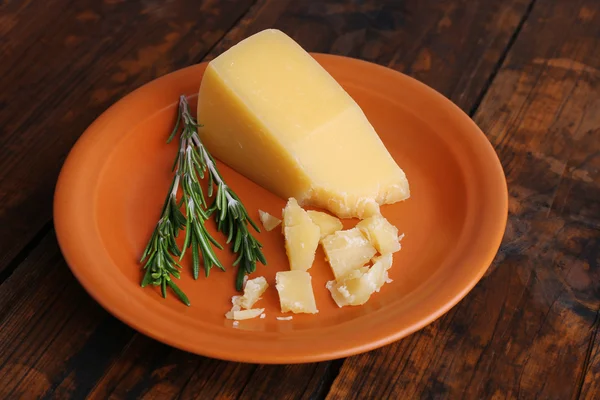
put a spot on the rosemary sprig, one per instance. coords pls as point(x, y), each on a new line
point(158, 260)
point(160, 253)
point(190, 167)
point(231, 215)
point(192, 163)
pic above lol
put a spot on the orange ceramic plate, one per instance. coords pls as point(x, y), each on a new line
point(112, 186)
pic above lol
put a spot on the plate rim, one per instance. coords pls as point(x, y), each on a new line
point(61, 213)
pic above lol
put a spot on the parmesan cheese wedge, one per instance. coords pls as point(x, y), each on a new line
point(272, 113)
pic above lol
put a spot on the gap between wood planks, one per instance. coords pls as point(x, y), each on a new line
point(500, 61)
point(335, 365)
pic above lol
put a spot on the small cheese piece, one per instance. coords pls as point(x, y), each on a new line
point(244, 314)
point(271, 112)
point(385, 259)
point(253, 289)
point(328, 224)
point(339, 292)
point(381, 234)
point(268, 221)
point(347, 250)
point(301, 236)
point(296, 292)
point(357, 287)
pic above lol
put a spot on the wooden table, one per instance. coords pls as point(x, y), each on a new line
point(527, 71)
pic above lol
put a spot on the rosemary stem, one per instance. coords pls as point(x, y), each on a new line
point(175, 186)
point(213, 169)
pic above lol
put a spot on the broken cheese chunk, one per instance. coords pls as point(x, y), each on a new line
point(296, 292)
point(272, 113)
point(253, 289)
point(382, 235)
point(346, 251)
point(301, 236)
point(328, 224)
point(357, 287)
point(268, 221)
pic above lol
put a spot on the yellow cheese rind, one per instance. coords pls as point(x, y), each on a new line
point(268, 221)
point(328, 224)
point(272, 113)
point(346, 251)
point(382, 235)
point(295, 292)
point(301, 236)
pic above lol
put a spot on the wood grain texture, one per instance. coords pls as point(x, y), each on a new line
point(54, 339)
point(359, 26)
point(62, 65)
point(50, 334)
point(590, 382)
point(527, 329)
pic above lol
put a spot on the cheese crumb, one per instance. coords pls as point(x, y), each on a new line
point(244, 314)
point(263, 315)
point(268, 221)
point(285, 318)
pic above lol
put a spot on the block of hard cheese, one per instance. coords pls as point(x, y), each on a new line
point(272, 113)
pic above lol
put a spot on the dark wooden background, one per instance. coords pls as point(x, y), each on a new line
point(527, 71)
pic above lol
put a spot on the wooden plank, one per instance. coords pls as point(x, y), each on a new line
point(58, 77)
point(525, 330)
point(53, 337)
point(421, 37)
point(590, 382)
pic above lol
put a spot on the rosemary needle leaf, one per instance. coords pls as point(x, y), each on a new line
point(163, 288)
point(237, 260)
point(261, 257)
point(147, 278)
point(239, 281)
point(178, 292)
point(174, 132)
point(188, 234)
point(195, 257)
point(256, 228)
point(210, 185)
